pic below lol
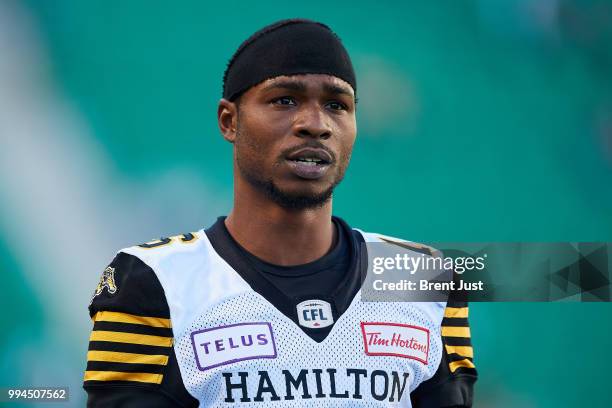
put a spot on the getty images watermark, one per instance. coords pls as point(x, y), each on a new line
point(404, 271)
point(419, 262)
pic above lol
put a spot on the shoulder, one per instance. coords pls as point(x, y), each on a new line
point(128, 284)
point(375, 237)
point(177, 248)
point(132, 280)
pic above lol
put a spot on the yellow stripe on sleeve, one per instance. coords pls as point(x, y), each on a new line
point(451, 331)
point(121, 337)
point(121, 376)
point(456, 312)
point(454, 365)
point(106, 316)
point(465, 351)
point(133, 358)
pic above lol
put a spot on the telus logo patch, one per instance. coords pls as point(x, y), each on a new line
point(232, 343)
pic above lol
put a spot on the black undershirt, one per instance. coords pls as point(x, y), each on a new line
point(319, 277)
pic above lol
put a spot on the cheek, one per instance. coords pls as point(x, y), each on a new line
point(255, 142)
point(249, 132)
point(347, 142)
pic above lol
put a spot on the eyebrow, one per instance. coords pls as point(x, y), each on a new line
point(301, 87)
point(336, 89)
point(291, 85)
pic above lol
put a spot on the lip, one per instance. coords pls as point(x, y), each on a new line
point(312, 152)
point(308, 171)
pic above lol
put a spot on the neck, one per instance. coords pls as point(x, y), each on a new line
point(278, 235)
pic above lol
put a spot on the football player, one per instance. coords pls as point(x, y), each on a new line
point(264, 307)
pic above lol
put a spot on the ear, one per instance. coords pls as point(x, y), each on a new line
point(227, 118)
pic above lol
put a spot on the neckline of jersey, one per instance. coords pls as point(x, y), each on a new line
point(221, 242)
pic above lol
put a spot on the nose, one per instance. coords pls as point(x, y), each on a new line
point(312, 122)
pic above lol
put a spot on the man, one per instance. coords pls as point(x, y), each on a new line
point(264, 307)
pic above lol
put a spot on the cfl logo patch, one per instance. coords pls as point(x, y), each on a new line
point(315, 314)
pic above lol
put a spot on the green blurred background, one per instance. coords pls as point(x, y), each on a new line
point(484, 120)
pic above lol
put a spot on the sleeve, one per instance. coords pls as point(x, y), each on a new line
point(453, 383)
point(131, 360)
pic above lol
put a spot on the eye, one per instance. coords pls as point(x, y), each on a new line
point(284, 100)
point(335, 105)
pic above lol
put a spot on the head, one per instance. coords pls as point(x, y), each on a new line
point(289, 111)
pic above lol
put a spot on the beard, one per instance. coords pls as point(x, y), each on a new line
point(286, 199)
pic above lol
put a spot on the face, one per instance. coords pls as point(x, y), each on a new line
point(294, 136)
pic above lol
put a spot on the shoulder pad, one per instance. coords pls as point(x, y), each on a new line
point(410, 245)
point(169, 249)
point(129, 285)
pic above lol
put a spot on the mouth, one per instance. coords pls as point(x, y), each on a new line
point(309, 163)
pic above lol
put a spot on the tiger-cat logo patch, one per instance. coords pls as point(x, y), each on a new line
point(107, 280)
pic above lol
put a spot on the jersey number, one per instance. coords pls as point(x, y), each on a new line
point(184, 238)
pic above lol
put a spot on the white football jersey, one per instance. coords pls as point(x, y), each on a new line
point(234, 347)
point(193, 320)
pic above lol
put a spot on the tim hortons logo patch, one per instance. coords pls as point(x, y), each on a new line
point(229, 344)
point(395, 339)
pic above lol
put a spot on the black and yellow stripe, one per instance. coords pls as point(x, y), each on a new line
point(125, 347)
point(457, 339)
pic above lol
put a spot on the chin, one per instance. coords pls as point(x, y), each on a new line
point(306, 188)
point(301, 198)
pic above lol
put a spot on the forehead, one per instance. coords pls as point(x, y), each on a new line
point(305, 83)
